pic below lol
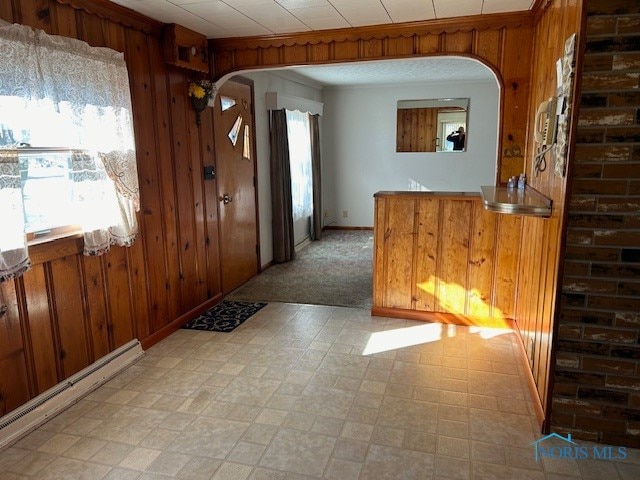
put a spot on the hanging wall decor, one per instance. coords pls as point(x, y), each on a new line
point(565, 93)
point(201, 92)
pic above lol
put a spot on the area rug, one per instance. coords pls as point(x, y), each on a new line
point(225, 316)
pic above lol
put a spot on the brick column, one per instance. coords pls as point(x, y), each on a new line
point(597, 373)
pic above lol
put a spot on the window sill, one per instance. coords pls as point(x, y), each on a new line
point(44, 250)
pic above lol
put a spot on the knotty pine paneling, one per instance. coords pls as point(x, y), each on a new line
point(437, 254)
point(70, 310)
point(15, 382)
point(543, 239)
point(504, 42)
point(40, 327)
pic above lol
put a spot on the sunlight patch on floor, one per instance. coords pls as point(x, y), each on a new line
point(404, 337)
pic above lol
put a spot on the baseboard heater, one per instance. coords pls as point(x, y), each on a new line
point(45, 406)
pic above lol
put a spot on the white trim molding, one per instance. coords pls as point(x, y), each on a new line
point(278, 101)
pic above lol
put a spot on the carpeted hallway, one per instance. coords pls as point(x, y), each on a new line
point(336, 270)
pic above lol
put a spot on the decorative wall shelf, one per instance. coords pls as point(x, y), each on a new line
point(527, 201)
point(185, 48)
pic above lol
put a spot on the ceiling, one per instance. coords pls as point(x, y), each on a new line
point(242, 18)
point(396, 72)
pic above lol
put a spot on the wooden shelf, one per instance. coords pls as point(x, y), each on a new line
point(513, 201)
point(185, 48)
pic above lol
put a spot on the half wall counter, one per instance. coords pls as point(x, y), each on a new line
point(440, 256)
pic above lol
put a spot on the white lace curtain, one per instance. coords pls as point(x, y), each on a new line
point(61, 92)
point(299, 136)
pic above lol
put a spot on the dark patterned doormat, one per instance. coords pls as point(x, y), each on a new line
point(225, 316)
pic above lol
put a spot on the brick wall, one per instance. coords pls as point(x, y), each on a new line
point(596, 393)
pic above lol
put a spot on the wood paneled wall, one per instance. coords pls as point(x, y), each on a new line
point(416, 129)
point(504, 42)
point(442, 253)
point(542, 239)
point(69, 310)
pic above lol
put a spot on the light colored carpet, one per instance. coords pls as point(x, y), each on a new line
point(336, 270)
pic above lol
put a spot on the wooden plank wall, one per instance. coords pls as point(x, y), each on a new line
point(543, 242)
point(69, 310)
point(444, 254)
point(504, 42)
point(417, 129)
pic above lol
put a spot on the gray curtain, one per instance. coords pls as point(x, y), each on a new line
point(316, 221)
point(282, 210)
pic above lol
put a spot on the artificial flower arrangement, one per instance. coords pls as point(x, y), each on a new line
point(201, 92)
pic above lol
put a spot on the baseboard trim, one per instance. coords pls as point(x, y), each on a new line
point(337, 227)
point(531, 382)
point(441, 317)
point(167, 330)
point(38, 410)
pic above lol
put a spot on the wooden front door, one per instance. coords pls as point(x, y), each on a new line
point(234, 128)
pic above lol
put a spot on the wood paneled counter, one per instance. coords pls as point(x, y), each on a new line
point(442, 256)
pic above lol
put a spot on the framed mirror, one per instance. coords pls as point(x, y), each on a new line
point(432, 125)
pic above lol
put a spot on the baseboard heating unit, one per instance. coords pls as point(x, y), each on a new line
point(34, 413)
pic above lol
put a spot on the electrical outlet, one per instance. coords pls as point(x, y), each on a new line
point(345, 214)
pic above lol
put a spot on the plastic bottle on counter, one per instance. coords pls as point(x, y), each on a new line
point(522, 181)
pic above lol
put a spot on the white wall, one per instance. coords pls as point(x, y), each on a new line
point(358, 147)
point(270, 82)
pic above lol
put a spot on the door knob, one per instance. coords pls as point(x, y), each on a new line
point(226, 199)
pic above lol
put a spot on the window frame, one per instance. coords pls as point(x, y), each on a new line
point(54, 233)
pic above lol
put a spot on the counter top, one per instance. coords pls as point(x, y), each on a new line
point(527, 201)
point(411, 193)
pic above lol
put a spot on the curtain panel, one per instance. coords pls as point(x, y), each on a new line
point(281, 203)
point(61, 92)
point(14, 260)
point(316, 221)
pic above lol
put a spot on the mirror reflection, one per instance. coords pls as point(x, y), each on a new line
point(432, 125)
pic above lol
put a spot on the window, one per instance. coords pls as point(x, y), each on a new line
point(91, 184)
point(299, 135)
point(47, 193)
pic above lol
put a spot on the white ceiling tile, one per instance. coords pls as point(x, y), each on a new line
point(223, 18)
point(229, 19)
point(499, 6)
point(326, 23)
point(311, 13)
point(210, 8)
point(291, 4)
point(457, 8)
point(248, 31)
point(244, 3)
point(409, 10)
point(193, 2)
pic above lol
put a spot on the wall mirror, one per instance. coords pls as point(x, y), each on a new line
point(432, 125)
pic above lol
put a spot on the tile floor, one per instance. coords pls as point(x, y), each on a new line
point(300, 392)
